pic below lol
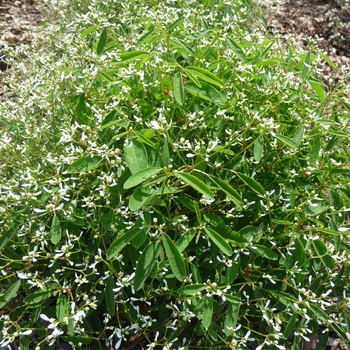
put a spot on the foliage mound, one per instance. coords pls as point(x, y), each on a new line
point(172, 178)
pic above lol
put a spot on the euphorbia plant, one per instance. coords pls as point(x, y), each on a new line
point(190, 189)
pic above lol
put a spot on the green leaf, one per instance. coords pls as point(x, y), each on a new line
point(315, 150)
point(208, 313)
point(128, 57)
point(144, 38)
point(6, 237)
point(205, 75)
point(331, 143)
point(193, 78)
point(87, 31)
point(77, 340)
point(179, 92)
point(331, 232)
point(180, 44)
point(317, 86)
point(287, 141)
point(141, 176)
point(321, 251)
point(290, 326)
point(316, 209)
point(207, 92)
point(136, 156)
point(197, 184)
point(232, 315)
point(306, 67)
point(298, 136)
point(102, 42)
point(146, 264)
point(232, 272)
point(9, 294)
point(191, 289)
point(109, 295)
point(295, 255)
point(62, 308)
point(236, 49)
point(250, 233)
point(228, 189)
point(185, 240)
point(141, 197)
point(219, 241)
point(122, 241)
point(264, 252)
point(175, 259)
point(253, 184)
point(259, 148)
point(55, 231)
point(38, 297)
point(85, 164)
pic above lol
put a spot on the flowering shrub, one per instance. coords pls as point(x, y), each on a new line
point(171, 178)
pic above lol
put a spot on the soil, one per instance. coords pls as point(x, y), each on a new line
point(301, 19)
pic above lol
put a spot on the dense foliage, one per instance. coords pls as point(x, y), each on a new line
point(171, 177)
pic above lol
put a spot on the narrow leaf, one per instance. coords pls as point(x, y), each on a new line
point(315, 150)
point(121, 242)
point(237, 49)
point(299, 134)
point(205, 75)
point(219, 241)
point(197, 184)
point(229, 190)
point(62, 310)
point(208, 313)
point(144, 38)
point(38, 297)
point(55, 231)
point(306, 67)
point(287, 141)
point(102, 42)
point(185, 240)
point(146, 264)
point(109, 295)
point(179, 89)
point(175, 259)
point(317, 86)
point(259, 148)
point(141, 176)
point(6, 237)
point(290, 326)
point(85, 164)
point(87, 31)
point(9, 294)
point(253, 184)
point(232, 315)
point(132, 56)
point(207, 92)
point(191, 289)
point(264, 252)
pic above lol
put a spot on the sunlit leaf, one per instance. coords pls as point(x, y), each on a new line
point(236, 49)
point(141, 176)
point(102, 42)
point(146, 264)
point(208, 312)
point(259, 148)
point(264, 252)
point(253, 184)
point(9, 294)
point(175, 259)
point(62, 308)
point(85, 164)
point(191, 289)
point(109, 295)
point(287, 141)
point(179, 92)
point(55, 231)
point(232, 315)
point(219, 241)
point(197, 184)
point(205, 75)
point(207, 92)
point(136, 156)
